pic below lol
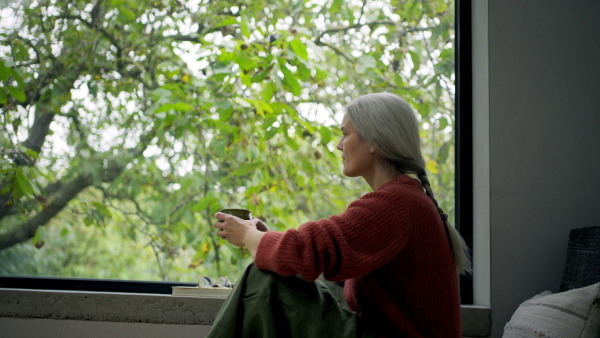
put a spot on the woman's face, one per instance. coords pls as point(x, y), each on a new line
point(358, 157)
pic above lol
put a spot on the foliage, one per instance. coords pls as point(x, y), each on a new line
point(128, 124)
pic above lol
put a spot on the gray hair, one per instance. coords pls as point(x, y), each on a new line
point(388, 123)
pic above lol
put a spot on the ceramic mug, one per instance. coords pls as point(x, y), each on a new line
point(241, 213)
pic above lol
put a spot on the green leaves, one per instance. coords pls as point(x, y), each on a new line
point(16, 93)
point(268, 90)
point(299, 48)
point(179, 106)
point(206, 202)
point(127, 13)
point(6, 73)
point(242, 102)
point(336, 5)
point(289, 80)
point(416, 60)
point(245, 29)
point(271, 132)
point(325, 134)
point(226, 22)
point(261, 75)
point(443, 152)
point(102, 209)
point(225, 108)
point(364, 63)
point(246, 168)
point(22, 185)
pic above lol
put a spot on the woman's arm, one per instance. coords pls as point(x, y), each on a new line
point(371, 232)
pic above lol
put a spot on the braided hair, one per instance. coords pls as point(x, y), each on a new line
point(388, 123)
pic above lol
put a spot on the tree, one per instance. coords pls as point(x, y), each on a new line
point(156, 114)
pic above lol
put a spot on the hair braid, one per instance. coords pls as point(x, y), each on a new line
point(459, 248)
point(427, 186)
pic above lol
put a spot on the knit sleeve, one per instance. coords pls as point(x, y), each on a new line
point(372, 231)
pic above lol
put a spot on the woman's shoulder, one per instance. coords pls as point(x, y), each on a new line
point(401, 185)
point(403, 192)
point(394, 192)
point(402, 181)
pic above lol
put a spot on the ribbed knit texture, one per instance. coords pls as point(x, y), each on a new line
point(391, 249)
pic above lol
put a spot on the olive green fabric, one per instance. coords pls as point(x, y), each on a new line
point(264, 304)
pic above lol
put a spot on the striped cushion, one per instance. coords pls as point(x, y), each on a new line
point(574, 313)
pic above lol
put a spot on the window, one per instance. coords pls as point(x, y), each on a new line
point(137, 122)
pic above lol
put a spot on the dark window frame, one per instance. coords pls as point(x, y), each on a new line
point(89, 284)
point(463, 195)
point(464, 135)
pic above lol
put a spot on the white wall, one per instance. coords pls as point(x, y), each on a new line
point(537, 134)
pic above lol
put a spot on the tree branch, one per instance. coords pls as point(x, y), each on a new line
point(181, 204)
point(97, 26)
point(39, 130)
point(27, 230)
point(338, 51)
point(139, 211)
point(43, 118)
point(66, 192)
point(370, 24)
point(5, 210)
point(194, 37)
point(335, 49)
point(362, 11)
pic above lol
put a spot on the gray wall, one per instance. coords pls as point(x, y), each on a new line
point(537, 133)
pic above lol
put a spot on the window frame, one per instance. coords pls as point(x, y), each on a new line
point(464, 135)
point(89, 284)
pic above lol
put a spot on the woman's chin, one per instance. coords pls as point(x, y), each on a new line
point(348, 173)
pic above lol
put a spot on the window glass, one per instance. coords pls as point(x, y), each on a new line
point(127, 125)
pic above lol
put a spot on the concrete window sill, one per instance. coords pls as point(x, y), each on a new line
point(19, 304)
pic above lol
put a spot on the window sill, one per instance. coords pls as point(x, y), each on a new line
point(151, 308)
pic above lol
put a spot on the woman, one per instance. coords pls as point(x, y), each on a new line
point(393, 248)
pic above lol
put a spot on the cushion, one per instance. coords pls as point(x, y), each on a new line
point(574, 313)
point(583, 259)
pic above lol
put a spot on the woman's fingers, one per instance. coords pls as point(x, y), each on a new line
point(221, 224)
point(221, 216)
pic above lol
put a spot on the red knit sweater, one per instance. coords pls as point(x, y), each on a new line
point(391, 249)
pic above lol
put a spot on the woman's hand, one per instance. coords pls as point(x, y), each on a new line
point(240, 232)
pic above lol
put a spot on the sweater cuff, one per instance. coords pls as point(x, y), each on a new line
point(263, 253)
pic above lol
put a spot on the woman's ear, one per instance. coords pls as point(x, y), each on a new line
point(372, 150)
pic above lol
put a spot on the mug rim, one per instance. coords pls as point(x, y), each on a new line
point(221, 210)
